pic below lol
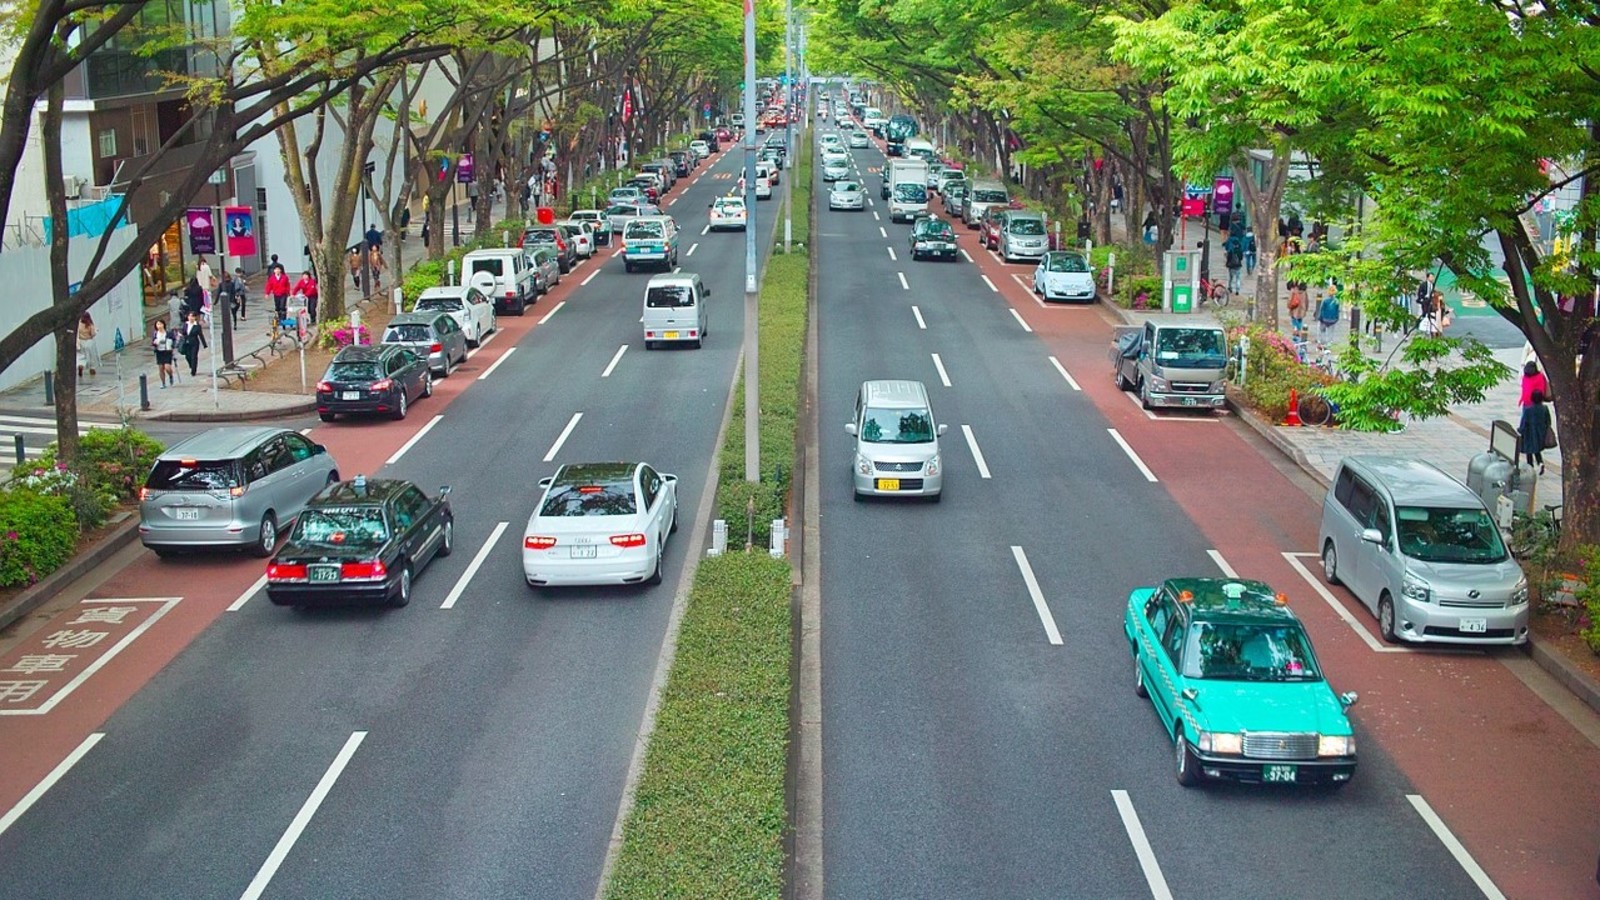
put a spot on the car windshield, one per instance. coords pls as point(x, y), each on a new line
point(730, 206)
point(1249, 651)
point(1027, 226)
point(613, 499)
point(667, 296)
point(644, 230)
point(540, 236)
point(1191, 348)
point(1067, 262)
point(897, 426)
point(408, 333)
point(1448, 535)
point(623, 192)
point(911, 193)
point(342, 526)
point(192, 475)
point(982, 196)
point(353, 371)
point(846, 187)
point(442, 304)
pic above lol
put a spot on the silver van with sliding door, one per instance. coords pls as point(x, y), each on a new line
point(1420, 550)
point(896, 442)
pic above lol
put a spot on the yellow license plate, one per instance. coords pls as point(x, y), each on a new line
point(671, 335)
point(888, 484)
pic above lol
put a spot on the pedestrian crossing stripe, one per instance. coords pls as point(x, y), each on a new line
point(43, 425)
point(724, 176)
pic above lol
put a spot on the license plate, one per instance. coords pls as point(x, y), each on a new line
point(671, 335)
point(583, 553)
point(1278, 773)
point(1474, 626)
point(323, 574)
point(888, 484)
point(1189, 401)
point(186, 513)
point(349, 395)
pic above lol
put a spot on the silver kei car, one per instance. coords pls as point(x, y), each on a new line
point(847, 195)
point(232, 487)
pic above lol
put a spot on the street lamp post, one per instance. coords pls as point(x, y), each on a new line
point(752, 369)
point(366, 248)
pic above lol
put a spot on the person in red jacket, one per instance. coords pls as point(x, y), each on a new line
point(278, 289)
point(307, 286)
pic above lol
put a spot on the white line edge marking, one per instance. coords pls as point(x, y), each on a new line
point(990, 284)
point(100, 663)
point(49, 781)
point(614, 360)
point(918, 313)
point(977, 455)
point(482, 342)
point(1372, 643)
point(966, 254)
point(305, 431)
point(883, 232)
point(705, 230)
point(939, 364)
point(1227, 570)
point(472, 567)
point(1148, 475)
point(1139, 405)
point(496, 364)
point(1141, 846)
point(1049, 621)
point(1062, 369)
point(903, 284)
point(249, 592)
point(413, 442)
point(555, 309)
point(1023, 284)
point(1018, 316)
point(1442, 832)
point(280, 852)
point(565, 432)
point(875, 216)
point(891, 254)
point(694, 246)
point(589, 278)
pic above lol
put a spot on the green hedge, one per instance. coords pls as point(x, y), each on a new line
point(708, 814)
point(429, 273)
point(1273, 370)
point(38, 533)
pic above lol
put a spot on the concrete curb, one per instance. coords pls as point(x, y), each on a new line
point(1573, 679)
point(80, 565)
point(299, 407)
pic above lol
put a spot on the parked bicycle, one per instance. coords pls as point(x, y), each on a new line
point(1215, 292)
point(1316, 409)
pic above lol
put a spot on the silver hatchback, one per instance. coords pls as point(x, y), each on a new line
point(238, 486)
point(436, 336)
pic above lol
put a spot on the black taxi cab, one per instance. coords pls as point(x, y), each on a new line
point(361, 541)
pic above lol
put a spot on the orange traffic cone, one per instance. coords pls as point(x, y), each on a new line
point(1293, 418)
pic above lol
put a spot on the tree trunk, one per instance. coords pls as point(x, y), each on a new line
point(1265, 202)
point(66, 338)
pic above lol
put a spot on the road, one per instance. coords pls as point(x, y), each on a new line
point(981, 737)
point(474, 751)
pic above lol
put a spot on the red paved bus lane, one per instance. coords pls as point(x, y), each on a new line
point(1511, 778)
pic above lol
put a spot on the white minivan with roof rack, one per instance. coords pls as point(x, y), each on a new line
point(896, 442)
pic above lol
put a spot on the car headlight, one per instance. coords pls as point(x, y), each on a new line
point(863, 465)
point(1222, 743)
point(1217, 386)
point(1519, 594)
point(931, 467)
point(1414, 588)
point(1157, 383)
point(1336, 745)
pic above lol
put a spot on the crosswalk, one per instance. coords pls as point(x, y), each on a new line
point(37, 433)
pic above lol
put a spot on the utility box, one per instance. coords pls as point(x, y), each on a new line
point(1180, 280)
point(1496, 474)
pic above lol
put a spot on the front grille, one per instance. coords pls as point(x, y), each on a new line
point(1441, 631)
point(1472, 604)
point(1191, 387)
point(898, 466)
point(1280, 745)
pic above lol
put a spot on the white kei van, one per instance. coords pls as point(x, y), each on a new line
point(675, 310)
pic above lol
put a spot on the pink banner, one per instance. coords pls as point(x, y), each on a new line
point(240, 228)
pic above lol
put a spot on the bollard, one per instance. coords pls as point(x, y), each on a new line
point(49, 388)
point(398, 302)
point(355, 327)
point(144, 392)
point(451, 266)
point(22, 453)
point(1293, 419)
point(719, 537)
point(780, 538)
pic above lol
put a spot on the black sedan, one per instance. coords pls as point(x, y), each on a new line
point(382, 379)
point(361, 541)
point(932, 237)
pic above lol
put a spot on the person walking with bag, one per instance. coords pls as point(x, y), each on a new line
point(1297, 306)
point(1327, 315)
point(1233, 256)
point(88, 349)
point(162, 342)
point(194, 337)
point(278, 289)
point(1535, 433)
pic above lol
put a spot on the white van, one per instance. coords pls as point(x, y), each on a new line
point(897, 442)
point(675, 310)
point(504, 274)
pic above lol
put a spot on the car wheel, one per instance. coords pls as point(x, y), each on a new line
point(267, 538)
point(935, 498)
point(400, 409)
point(448, 545)
point(1138, 678)
point(1386, 619)
point(1188, 774)
point(427, 386)
point(402, 595)
point(627, 266)
point(1144, 394)
point(655, 577)
point(333, 478)
point(1330, 563)
point(327, 416)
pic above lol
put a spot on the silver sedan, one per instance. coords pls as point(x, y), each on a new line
point(847, 195)
point(835, 168)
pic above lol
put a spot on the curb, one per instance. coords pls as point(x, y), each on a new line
point(233, 415)
point(1581, 685)
point(36, 596)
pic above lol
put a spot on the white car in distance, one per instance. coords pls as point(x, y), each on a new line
point(847, 195)
point(728, 212)
point(599, 524)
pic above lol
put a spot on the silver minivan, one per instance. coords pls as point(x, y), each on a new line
point(896, 442)
point(1420, 550)
point(238, 486)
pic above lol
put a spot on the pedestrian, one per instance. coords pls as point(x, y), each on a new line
point(375, 260)
point(1327, 315)
point(405, 220)
point(278, 289)
point(1297, 306)
point(354, 262)
point(427, 220)
point(1533, 382)
point(1233, 256)
point(202, 270)
point(1151, 229)
point(1250, 250)
point(194, 296)
point(307, 287)
point(88, 348)
point(162, 342)
point(238, 285)
point(194, 337)
point(374, 236)
point(1535, 433)
point(1425, 293)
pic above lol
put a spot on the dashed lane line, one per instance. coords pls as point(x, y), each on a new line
point(944, 377)
point(496, 364)
point(1020, 321)
point(918, 313)
point(1043, 609)
point(1143, 469)
point(977, 454)
point(1141, 846)
point(472, 567)
point(1062, 369)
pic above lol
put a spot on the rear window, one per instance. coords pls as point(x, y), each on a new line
point(668, 296)
point(344, 526)
point(193, 475)
point(989, 196)
point(494, 265)
point(610, 499)
point(644, 229)
point(540, 236)
point(911, 193)
point(408, 333)
point(354, 371)
point(442, 304)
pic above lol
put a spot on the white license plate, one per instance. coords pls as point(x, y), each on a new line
point(349, 395)
point(1474, 626)
point(583, 553)
point(186, 513)
point(1278, 773)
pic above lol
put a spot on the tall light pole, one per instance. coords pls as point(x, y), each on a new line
point(788, 119)
point(752, 334)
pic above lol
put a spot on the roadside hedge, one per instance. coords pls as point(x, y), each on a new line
point(38, 533)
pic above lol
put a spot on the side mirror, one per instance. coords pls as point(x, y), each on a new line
point(666, 477)
point(850, 428)
point(1348, 698)
point(444, 491)
point(318, 448)
point(545, 482)
point(1190, 694)
point(943, 429)
point(705, 292)
point(1372, 536)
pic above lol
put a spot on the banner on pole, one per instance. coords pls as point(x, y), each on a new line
point(202, 230)
point(464, 169)
point(241, 230)
point(1222, 196)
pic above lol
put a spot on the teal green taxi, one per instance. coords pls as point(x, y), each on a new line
point(1232, 675)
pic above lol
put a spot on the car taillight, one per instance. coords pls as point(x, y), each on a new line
point(435, 347)
point(628, 540)
point(324, 387)
point(144, 493)
point(382, 384)
point(363, 571)
point(538, 542)
point(510, 294)
point(286, 572)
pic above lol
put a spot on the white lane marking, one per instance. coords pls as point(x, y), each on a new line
point(1018, 316)
point(614, 360)
point(903, 284)
point(413, 442)
point(1141, 847)
point(1049, 621)
point(1468, 864)
point(496, 364)
point(555, 309)
point(1027, 287)
point(997, 257)
point(891, 254)
point(918, 313)
point(1148, 475)
point(693, 247)
point(875, 216)
point(616, 253)
point(704, 230)
point(49, 781)
point(1227, 570)
point(939, 364)
point(870, 203)
point(1062, 369)
point(286, 843)
point(483, 342)
point(989, 283)
point(472, 567)
point(1139, 405)
point(677, 269)
point(967, 255)
point(672, 201)
point(249, 592)
point(589, 279)
point(305, 431)
point(1373, 644)
point(556, 447)
point(977, 455)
